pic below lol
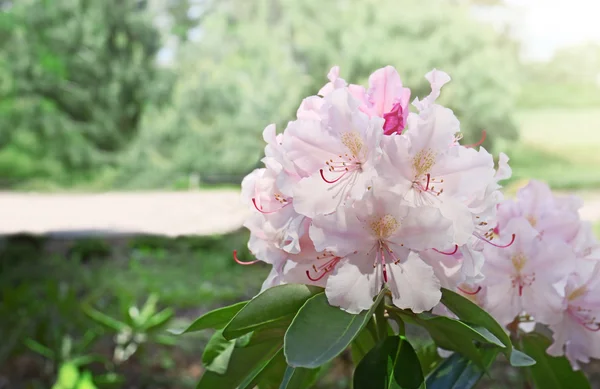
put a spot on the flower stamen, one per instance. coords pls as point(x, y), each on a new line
point(512, 240)
point(235, 258)
point(445, 253)
point(470, 293)
point(480, 142)
point(259, 209)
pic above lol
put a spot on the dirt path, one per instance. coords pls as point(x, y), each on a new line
point(172, 214)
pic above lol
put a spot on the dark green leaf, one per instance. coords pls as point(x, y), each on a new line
point(428, 357)
point(217, 353)
point(274, 304)
point(39, 348)
point(321, 332)
point(551, 372)
point(455, 335)
point(216, 319)
point(470, 312)
point(299, 378)
point(372, 371)
point(458, 372)
point(245, 362)
point(407, 372)
point(392, 363)
point(269, 376)
point(361, 345)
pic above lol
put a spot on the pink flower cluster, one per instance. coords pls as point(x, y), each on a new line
point(359, 192)
point(550, 275)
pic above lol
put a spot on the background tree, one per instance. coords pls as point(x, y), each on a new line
point(254, 61)
point(76, 76)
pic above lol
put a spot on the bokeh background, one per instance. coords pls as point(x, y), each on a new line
point(126, 127)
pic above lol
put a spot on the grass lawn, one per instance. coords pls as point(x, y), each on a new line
point(46, 285)
point(559, 146)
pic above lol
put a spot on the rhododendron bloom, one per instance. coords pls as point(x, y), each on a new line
point(342, 206)
point(279, 221)
point(386, 97)
point(577, 330)
point(552, 216)
point(521, 277)
point(337, 155)
point(372, 242)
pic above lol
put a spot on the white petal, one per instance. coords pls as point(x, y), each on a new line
point(353, 285)
point(414, 285)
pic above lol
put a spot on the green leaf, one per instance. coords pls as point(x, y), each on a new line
point(269, 376)
point(392, 363)
point(299, 378)
point(455, 335)
point(158, 320)
point(321, 332)
point(86, 381)
point(470, 312)
point(271, 306)
point(216, 319)
point(68, 375)
point(361, 345)
point(458, 372)
point(407, 372)
point(217, 353)
point(428, 357)
point(551, 372)
point(39, 348)
point(245, 361)
point(104, 319)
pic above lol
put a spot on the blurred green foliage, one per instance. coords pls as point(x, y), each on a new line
point(255, 61)
point(153, 94)
point(109, 314)
point(75, 77)
point(84, 100)
point(571, 79)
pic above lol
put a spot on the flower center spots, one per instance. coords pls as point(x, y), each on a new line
point(423, 161)
point(532, 220)
point(353, 142)
point(577, 293)
point(518, 261)
point(384, 226)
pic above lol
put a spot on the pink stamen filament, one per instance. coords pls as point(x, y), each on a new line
point(521, 281)
point(594, 329)
point(383, 267)
point(324, 268)
point(318, 278)
point(391, 253)
point(498, 245)
point(483, 136)
point(268, 212)
point(452, 253)
point(428, 178)
point(589, 325)
point(333, 181)
point(468, 292)
point(235, 258)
